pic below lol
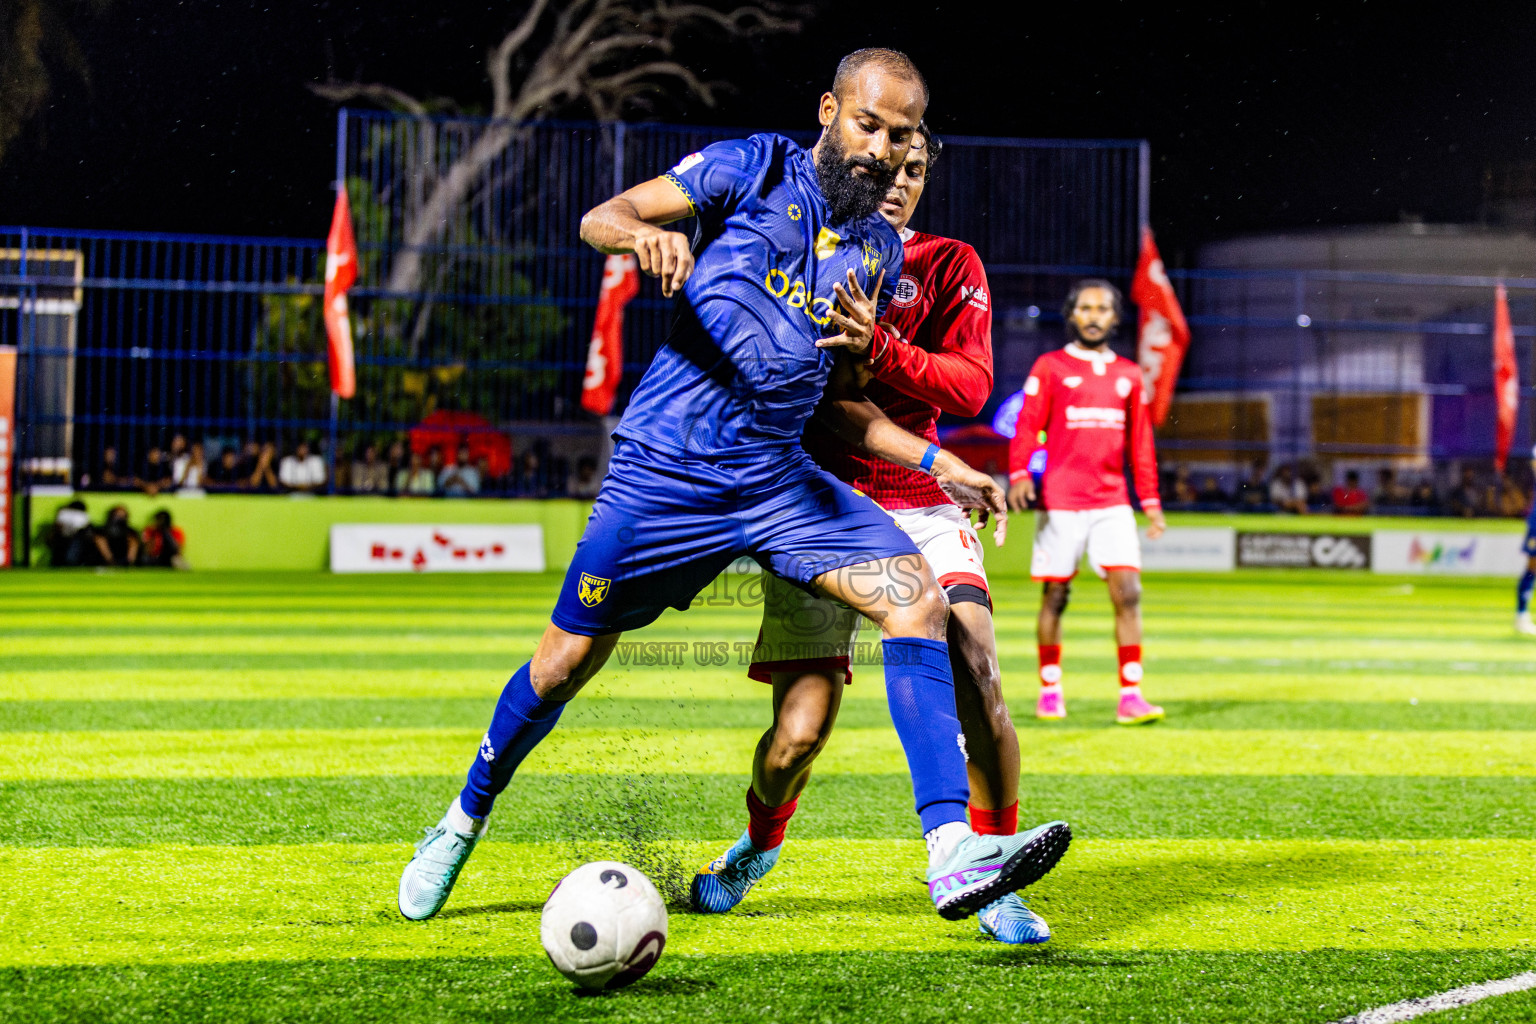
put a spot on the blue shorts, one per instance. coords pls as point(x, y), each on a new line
point(1530, 534)
point(664, 527)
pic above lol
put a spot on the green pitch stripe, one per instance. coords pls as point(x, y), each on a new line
point(990, 983)
point(379, 809)
point(445, 678)
point(173, 904)
point(739, 713)
point(254, 753)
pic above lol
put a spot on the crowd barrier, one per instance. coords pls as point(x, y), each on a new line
point(266, 533)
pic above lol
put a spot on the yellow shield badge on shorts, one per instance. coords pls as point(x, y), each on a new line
point(592, 590)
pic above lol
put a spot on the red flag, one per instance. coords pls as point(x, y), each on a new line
point(340, 273)
point(1506, 378)
point(605, 356)
point(1163, 334)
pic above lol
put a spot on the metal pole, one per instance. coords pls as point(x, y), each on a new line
point(1143, 186)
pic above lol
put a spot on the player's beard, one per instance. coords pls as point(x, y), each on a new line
point(1073, 335)
point(851, 196)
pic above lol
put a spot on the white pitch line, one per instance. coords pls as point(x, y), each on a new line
point(1411, 1008)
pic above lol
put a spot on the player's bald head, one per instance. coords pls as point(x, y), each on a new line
point(878, 59)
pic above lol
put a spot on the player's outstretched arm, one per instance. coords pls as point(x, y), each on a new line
point(861, 422)
point(631, 222)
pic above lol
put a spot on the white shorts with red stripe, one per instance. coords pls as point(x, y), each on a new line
point(802, 632)
point(1106, 535)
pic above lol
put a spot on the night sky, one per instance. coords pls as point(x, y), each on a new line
point(1276, 116)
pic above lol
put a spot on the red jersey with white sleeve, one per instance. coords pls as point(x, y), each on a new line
point(932, 353)
point(1092, 408)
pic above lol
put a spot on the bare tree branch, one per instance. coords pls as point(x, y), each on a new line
point(500, 61)
point(375, 92)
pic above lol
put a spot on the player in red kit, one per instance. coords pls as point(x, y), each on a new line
point(934, 354)
point(1089, 405)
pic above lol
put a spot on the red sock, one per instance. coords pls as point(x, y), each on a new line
point(765, 825)
point(995, 823)
point(1130, 665)
point(1050, 666)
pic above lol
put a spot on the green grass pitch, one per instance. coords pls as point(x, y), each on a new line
point(209, 784)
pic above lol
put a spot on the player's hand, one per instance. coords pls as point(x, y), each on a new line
point(1022, 494)
point(665, 255)
point(972, 489)
point(1156, 524)
point(859, 323)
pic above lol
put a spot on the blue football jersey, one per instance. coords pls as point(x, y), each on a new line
point(740, 372)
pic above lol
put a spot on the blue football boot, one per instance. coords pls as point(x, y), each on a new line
point(725, 880)
point(1008, 920)
point(435, 866)
point(983, 869)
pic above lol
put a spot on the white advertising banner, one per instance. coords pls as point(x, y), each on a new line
point(1449, 554)
point(397, 547)
point(1190, 549)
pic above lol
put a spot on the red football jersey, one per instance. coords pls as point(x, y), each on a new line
point(1092, 407)
point(932, 353)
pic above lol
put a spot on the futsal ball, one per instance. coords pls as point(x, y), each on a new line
point(604, 926)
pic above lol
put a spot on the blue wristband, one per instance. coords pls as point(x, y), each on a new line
point(928, 457)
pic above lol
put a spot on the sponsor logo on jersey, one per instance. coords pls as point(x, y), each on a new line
point(826, 243)
point(1071, 382)
point(907, 291)
point(1094, 416)
point(1123, 387)
point(871, 259)
point(797, 296)
point(976, 295)
point(592, 589)
point(687, 162)
point(794, 211)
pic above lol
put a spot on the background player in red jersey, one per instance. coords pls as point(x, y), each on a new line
point(1091, 407)
point(934, 354)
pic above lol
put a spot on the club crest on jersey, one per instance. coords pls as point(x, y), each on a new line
point(871, 258)
point(793, 211)
point(1123, 387)
point(906, 291)
point(826, 243)
point(592, 589)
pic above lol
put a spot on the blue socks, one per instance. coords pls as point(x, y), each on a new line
point(1523, 595)
point(920, 687)
point(522, 719)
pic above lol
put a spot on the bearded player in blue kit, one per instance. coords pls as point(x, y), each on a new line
point(708, 467)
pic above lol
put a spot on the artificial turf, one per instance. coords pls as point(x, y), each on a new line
point(208, 784)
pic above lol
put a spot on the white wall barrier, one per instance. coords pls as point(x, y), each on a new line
point(1190, 549)
point(1444, 553)
point(393, 547)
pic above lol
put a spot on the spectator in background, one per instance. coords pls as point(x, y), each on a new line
point(435, 463)
point(459, 480)
point(155, 475)
point(1317, 496)
point(190, 470)
point(224, 474)
point(1183, 487)
point(1286, 492)
point(69, 538)
point(1349, 499)
point(396, 465)
point(109, 477)
point(1513, 501)
point(1425, 498)
point(417, 479)
point(117, 542)
point(488, 483)
point(1211, 493)
point(302, 471)
point(163, 543)
point(530, 481)
point(250, 455)
point(585, 481)
point(263, 474)
point(1253, 493)
point(1388, 491)
point(1466, 499)
point(369, 475)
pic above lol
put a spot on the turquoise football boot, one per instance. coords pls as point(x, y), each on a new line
point(982, 869)
point(1010, 921)
point(724, 881)
point(435, 866)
